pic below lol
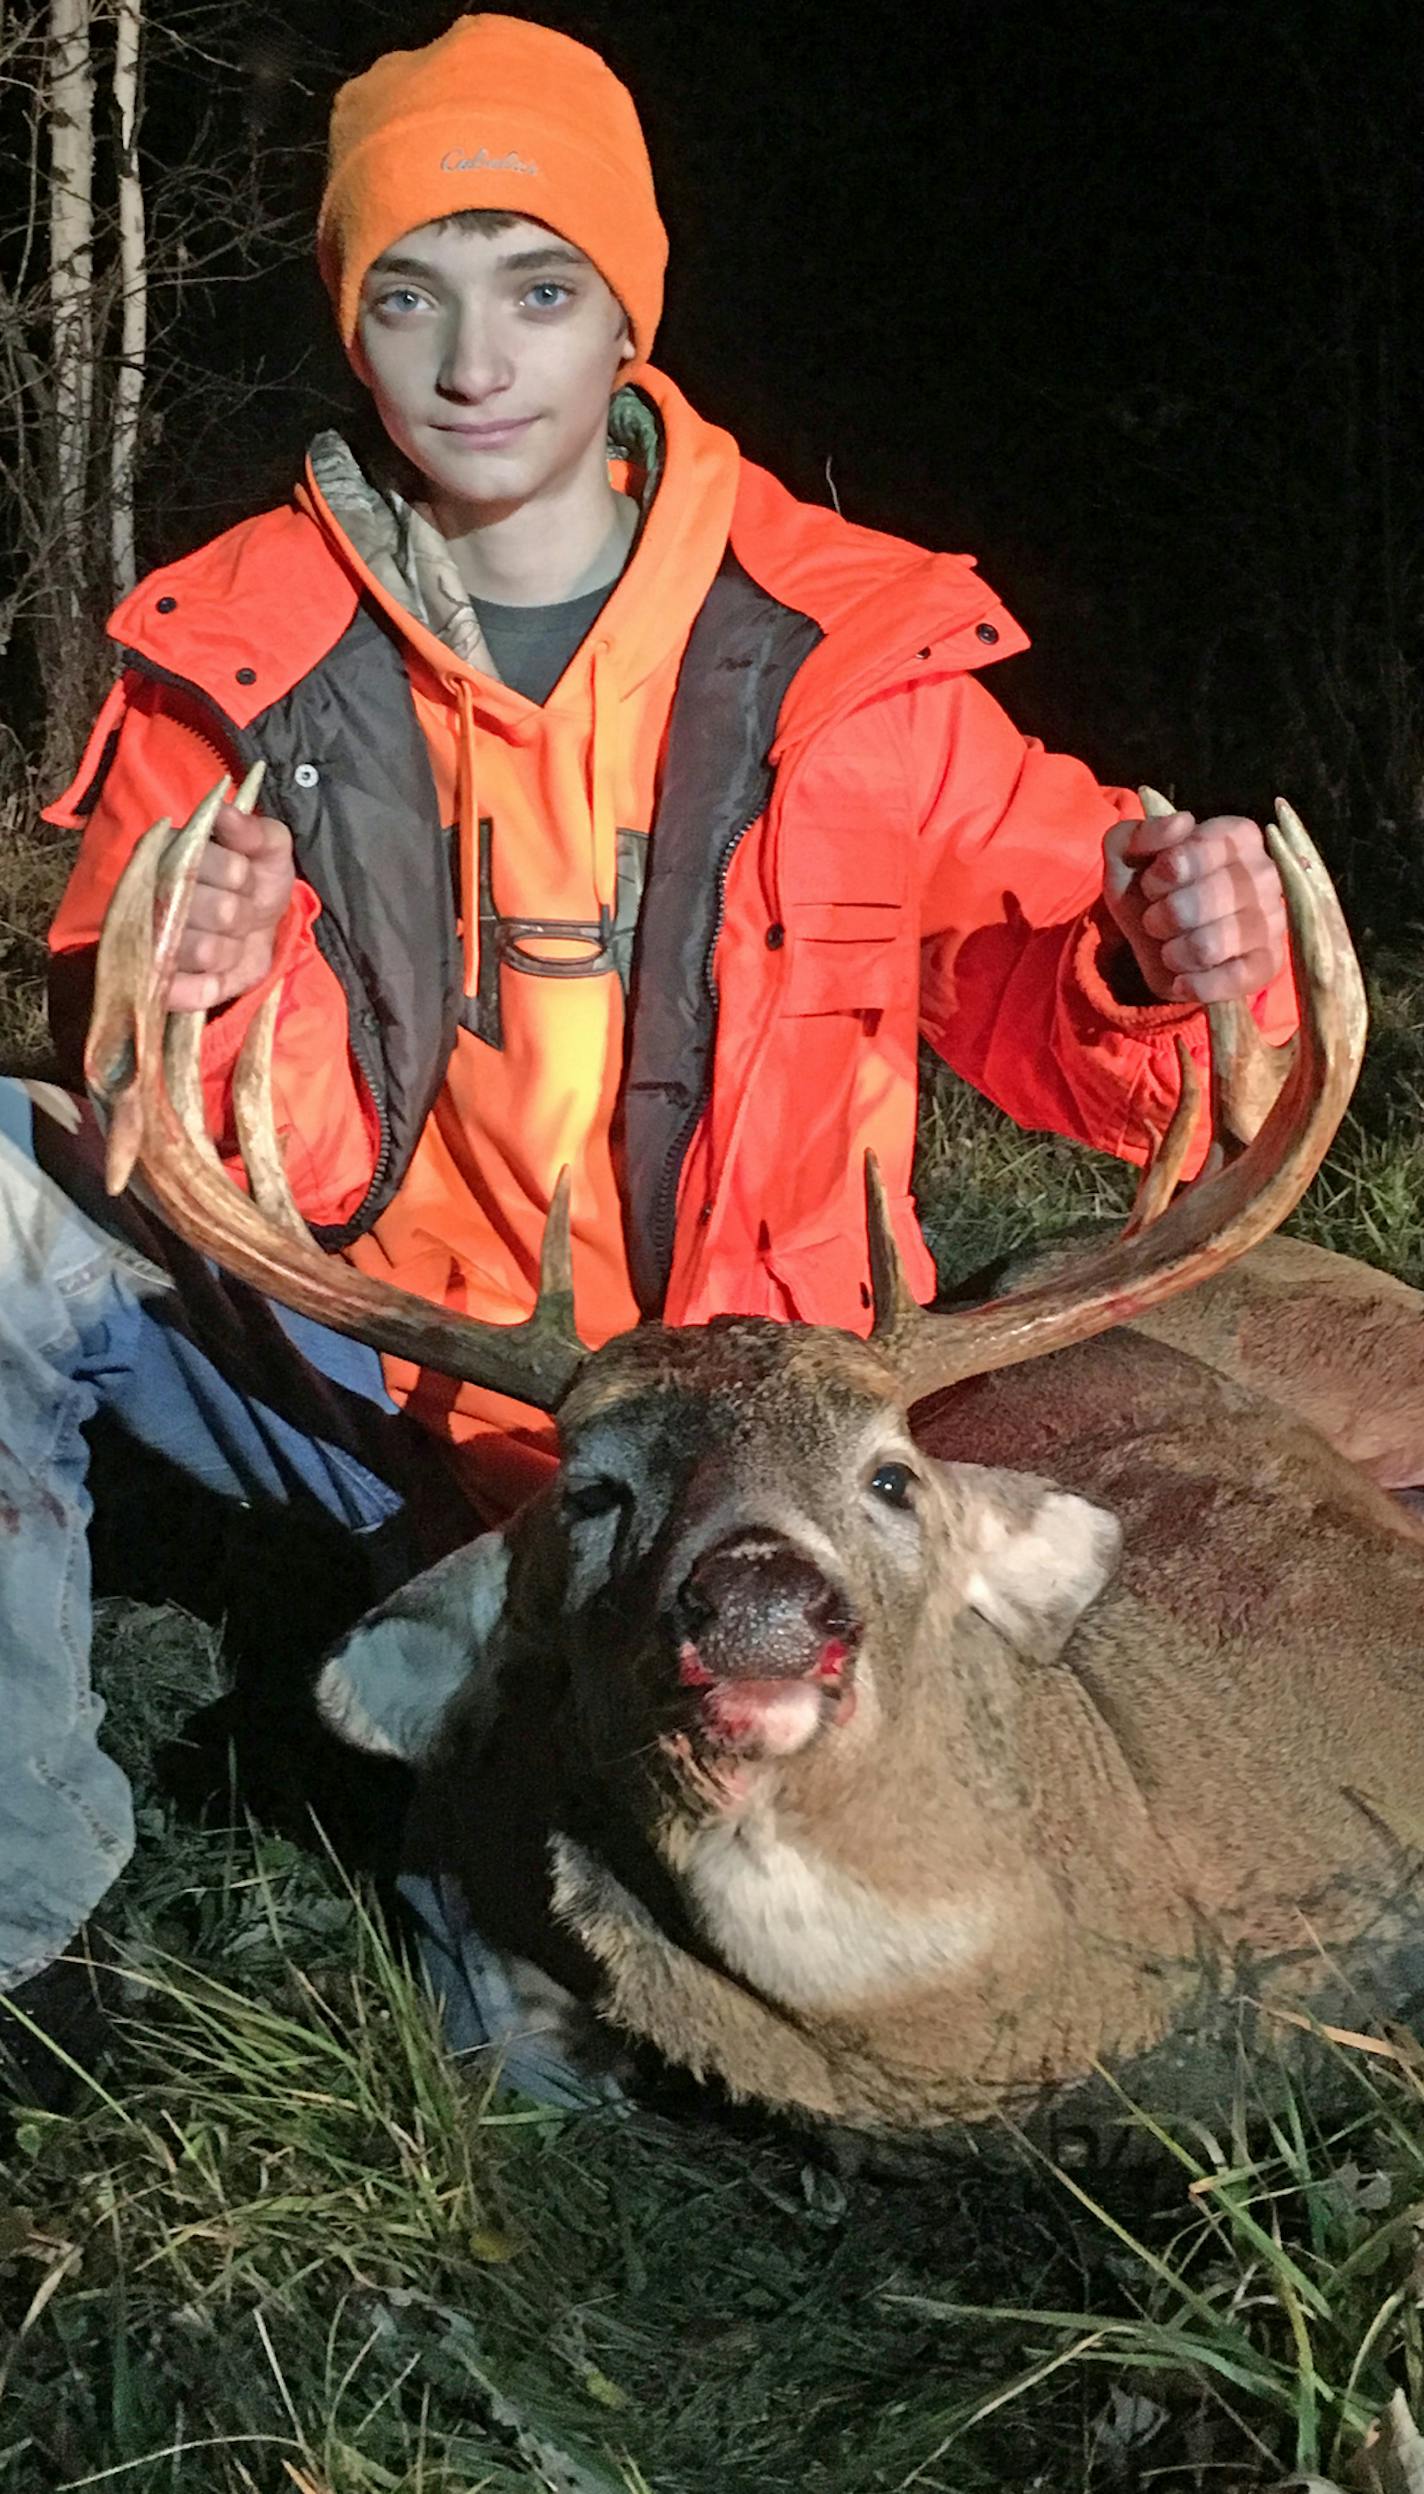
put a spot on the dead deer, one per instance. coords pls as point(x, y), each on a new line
point(898, 1731)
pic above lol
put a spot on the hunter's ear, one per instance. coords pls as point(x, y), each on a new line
point(385, 1688)
point(1037, 1555)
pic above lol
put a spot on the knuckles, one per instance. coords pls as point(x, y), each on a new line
point(1204, 948)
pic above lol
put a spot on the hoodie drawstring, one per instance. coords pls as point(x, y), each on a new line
point(603, 789)
point(602, 802)
point(467, 834)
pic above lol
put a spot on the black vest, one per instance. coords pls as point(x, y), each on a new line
point(348, 771)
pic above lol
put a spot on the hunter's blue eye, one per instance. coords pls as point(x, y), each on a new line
point(894, 1482)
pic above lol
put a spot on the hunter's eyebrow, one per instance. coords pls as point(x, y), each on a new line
point(551, 255)
point(543, 255)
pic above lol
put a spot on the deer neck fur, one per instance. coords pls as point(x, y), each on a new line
point(966, 1890)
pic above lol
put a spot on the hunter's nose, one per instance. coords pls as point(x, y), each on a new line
point(753, 1607)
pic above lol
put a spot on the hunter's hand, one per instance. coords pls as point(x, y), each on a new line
point(1200, 904)
point(245, 878)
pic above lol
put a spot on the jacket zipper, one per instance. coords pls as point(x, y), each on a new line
point(247, 751)
point(349, 1229)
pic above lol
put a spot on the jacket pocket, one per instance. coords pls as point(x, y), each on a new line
point(847, 957)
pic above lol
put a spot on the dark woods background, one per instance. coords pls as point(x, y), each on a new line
point(1125, 299)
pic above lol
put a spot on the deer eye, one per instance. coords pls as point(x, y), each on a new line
point(895, 1483)
point(596, 1496)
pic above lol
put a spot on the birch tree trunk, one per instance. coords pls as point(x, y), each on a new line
point(71, 121)
point(133, 301)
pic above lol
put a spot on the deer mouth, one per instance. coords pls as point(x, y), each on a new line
point(765, 1650)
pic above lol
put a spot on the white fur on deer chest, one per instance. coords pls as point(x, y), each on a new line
point(812, 1937)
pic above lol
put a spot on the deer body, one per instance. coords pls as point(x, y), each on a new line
point(1334, 1339)
point(1110, 1768)
point(1338, 1342)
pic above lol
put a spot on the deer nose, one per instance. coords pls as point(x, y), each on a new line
point(754, 1608)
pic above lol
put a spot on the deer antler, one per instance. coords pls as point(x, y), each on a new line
point(141, 1066)
point(1166, 1250)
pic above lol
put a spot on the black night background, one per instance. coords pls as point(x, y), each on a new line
point(1124, 299)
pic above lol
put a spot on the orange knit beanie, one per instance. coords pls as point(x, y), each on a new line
point(497, 113)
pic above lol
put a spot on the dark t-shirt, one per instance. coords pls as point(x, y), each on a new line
point(532, 645)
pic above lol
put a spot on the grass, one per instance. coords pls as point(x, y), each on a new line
point(287, 2243)
point(34, 864)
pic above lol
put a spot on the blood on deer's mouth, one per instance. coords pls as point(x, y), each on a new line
point(763, 1645)
point(742, 1714)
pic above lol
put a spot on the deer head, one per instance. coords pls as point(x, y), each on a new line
point(745, 1555)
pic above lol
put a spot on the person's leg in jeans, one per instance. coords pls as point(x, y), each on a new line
point(101, 1308)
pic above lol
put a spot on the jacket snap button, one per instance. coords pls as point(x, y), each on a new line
point(986, 632)
point(705, 1215)
point(775, 937)
point(166, 605)
point(247, 675)
point(307, 775)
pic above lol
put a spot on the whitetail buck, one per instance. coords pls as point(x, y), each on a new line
point(895, 1730)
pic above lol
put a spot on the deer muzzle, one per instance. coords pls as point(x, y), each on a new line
point(765, 1645)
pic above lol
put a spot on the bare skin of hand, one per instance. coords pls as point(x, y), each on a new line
point(1200, 904)
point(245, 878)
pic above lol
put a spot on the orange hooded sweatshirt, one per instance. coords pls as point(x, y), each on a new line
point(911, 865)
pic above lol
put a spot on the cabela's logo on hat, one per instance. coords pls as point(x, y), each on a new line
point(455, 160)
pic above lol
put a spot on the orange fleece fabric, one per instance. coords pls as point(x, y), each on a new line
point(555, 782)
point(496, 113)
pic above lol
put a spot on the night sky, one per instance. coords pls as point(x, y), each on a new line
point(1126, 300)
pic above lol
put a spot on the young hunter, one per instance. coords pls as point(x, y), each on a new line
point(620, 812)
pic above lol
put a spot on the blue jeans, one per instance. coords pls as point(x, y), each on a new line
point(102, 1308)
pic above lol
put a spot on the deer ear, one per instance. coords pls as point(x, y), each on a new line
point(1037, 1555)
point(386, 1686)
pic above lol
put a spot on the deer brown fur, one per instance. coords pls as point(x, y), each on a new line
point(1337, 1341)
point(1115, 1768)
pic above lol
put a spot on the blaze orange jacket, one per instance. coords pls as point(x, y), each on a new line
point(682, 925)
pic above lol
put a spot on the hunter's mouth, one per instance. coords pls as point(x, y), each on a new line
point(499, 434)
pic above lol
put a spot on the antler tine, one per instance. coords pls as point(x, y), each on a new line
point(130, 974)
point(1218, 1217)
point(127, 1021)
point(109, 1052)
point(556, 1256)
point(891, 1297)
point(266, 1243)
point(1159, 1179)
point(252, 1115)
point(183, 1035)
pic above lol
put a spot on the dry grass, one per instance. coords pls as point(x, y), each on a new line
point(34, 865)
